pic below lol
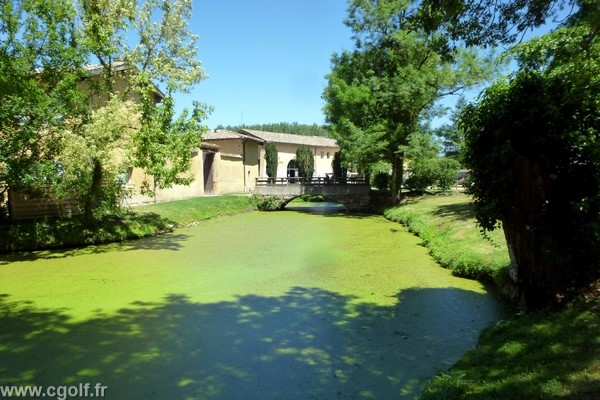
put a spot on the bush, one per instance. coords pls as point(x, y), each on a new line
point(379, 175)
point(267, 203)
point(438, 172)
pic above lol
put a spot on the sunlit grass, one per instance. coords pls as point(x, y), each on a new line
point(138, 222)
point(447, 226)
point(186, 212)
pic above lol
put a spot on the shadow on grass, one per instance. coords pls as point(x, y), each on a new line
point(542, 356)
point(65, 237)
point(456, 211)
point(307, 343)
point(168, 241)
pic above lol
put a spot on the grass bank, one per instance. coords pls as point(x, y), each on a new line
point(447, 226)
point(533, 356)
point(135, 223)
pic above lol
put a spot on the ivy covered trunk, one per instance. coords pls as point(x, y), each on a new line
point(535, 255)
point(543, 263)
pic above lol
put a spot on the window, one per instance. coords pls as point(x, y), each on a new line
point(327, 154)
point(322, 154)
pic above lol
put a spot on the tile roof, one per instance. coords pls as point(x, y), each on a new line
point(222, 134)
point(96, 69)
point(272, 137)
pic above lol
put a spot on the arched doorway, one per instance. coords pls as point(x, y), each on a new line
point(292, 169)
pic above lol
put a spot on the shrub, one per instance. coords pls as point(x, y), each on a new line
point(438, 172)
point(267, 203)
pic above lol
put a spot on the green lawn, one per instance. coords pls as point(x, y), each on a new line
point(134, 223)
point(534, 356)
point(186, 212)
point(447, 226)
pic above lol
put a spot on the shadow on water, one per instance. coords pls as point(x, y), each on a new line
point(168, 241)
point(326, 209)
point(316, 207)
point(306, 344)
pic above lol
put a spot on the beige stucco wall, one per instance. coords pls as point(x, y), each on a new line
point(228, 169)
point(287, 152)
point(252, 164)
point(236, 168)
point(138, 176)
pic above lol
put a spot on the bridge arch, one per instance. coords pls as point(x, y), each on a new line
point(326, 205)
point(354, 194)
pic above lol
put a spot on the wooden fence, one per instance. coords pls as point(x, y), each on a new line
point(319, 181)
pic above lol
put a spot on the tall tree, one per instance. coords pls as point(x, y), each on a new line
point(533, 144)
point(97, 156)
point(40, 67)
point(305, 160)
point(378, 94)
point(271, 160)
point(152, 40)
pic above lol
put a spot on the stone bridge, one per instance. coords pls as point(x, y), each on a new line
point(353, 193)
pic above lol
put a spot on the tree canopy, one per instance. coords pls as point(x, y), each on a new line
point(44, 111)
point(380, 93)
point(40, 66)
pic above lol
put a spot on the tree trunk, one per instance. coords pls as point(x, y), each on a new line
point(543, 264)
point(397, 171)
point(95, 193)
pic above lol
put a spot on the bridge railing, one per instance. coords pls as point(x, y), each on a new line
point(318, 181)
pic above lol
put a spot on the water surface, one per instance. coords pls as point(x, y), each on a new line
point(288, 305)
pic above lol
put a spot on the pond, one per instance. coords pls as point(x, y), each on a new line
point(290, 304)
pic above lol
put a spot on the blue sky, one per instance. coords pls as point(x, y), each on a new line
point(266, 59)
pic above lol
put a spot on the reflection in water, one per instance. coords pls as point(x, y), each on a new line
point(323, 207)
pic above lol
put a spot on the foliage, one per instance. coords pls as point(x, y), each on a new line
point(40, 67)
point(163, 145)
point(46, 93)
point(486, 22)
point(451, 135)
point(337, 166)
point(426, 169)
point(437, 172)
point(293, 128)
point(267, 203)
point(271, 158)
point(533, 147)
point(97, 149)
point(381, 92)
point(305, 161)
point(379, 175)
point(153, 40)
